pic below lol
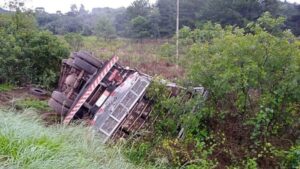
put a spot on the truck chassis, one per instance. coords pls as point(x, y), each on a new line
point(111, 98)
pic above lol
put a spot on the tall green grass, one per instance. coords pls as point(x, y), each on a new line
point(26, 143)
point(6, 87)
point(25, 103)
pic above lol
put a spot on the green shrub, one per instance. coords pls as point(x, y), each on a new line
point(251, 163)
point(253, 104)
point(161, 142)
point(137, 154)
point(6, 87)
point(254, 72)
point(167, 50)
point(28, 55)
point(293, 157)
point(254, 79)
point(166, 127)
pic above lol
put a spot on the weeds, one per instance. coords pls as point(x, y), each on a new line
point(32, 103)
point(26, 143)
point(6, 87)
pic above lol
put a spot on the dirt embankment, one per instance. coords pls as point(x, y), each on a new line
point(22, 98)
point(7, 98)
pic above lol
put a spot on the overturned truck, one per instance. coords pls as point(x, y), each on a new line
point(111, 98)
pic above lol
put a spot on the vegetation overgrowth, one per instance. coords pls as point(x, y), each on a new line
point(250, 118)
point(143, 20)
point(4, 87)
point(26, 143)
point(28, 55)
point(25, 103)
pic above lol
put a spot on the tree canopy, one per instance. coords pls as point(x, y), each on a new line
point(161, 16)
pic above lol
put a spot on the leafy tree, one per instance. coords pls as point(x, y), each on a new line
point(75, 40)
point(71, 24)
point(16, 5)
point(162, 16)
point(143, 20)
point(105, 29)
point(154, 19)
point(252, 79)
point(30, 55)
point(44, 19)
point(122, 24)
point(139, 8)
point(190, 12)
point(271, 6)
point(226, 12)
point(167, 22)
point(74, 10)
point(292, 13)
point(273, 26)
point(82, 10)
point(43, 57)
point(230, 12)
point(250, 10)
point(139, 28)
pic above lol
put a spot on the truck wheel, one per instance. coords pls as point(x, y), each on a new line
point(57, 107)
point(84, 66)
point(62, 99)
point(38, 91)
point(88, 57)
point(70, 63)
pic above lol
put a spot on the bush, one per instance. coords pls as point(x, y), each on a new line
point(167, 50)
point(256, 73)
point(251, 116)
point(160, 145)
point(138, 154)
point(28, 55)
point(293, 158)
point(252, 78)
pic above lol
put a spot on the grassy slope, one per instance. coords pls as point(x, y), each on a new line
point(26, 143)
point(127, 50)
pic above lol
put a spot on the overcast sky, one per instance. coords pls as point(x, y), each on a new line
point(64, 5)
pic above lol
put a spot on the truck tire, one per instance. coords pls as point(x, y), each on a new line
point(37, 91)
point(57, 107)
point(84, 65)
point(88, 57)
point(70, 63)
point(62, 99)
